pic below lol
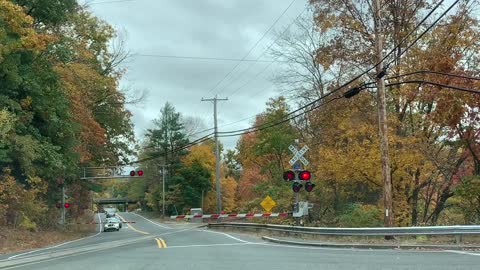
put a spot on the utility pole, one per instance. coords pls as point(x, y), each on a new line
point(382, 118)
point(163, 188)
point(217, 153)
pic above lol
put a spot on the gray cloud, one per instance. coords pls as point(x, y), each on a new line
point(214, 28)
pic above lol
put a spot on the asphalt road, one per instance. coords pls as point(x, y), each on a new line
point(149, 245)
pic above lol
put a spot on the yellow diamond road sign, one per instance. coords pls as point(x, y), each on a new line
point(268, 203)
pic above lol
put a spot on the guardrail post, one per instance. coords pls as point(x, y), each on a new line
point(458, 239)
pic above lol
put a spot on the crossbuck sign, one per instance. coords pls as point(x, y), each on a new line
point(298, 155)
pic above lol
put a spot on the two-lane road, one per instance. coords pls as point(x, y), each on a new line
point(149, 245)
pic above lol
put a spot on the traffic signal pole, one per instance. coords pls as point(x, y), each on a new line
point(63, 204)
point(217, 152)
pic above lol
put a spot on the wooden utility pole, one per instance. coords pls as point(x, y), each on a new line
point(217, 152)
point(382, 119)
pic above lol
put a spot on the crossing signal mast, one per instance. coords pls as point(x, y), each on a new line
point(300, 178)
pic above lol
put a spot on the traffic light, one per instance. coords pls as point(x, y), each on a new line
point(133, 173)
point(309, 186)
point(304, 175)
point(58, 205)
point(296, 187)
point(66, 205)
point(288, 176)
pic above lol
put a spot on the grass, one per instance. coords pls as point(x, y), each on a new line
point(17, 240)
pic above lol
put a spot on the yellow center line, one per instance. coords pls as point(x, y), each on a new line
point(164, 243)
point(131, 227)
point(159, 243)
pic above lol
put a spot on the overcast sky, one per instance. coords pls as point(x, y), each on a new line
point(199, 28)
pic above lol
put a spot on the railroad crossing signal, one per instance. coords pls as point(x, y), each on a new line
point(297, 175)
point(298, 155)
point(296, 187)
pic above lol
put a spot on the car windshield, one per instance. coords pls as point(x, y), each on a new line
point(232, 134)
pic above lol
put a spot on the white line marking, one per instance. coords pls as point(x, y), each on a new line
point(59, 245)
point(211, 245)
point(463, 252)
point(158, 224)
point(349, 249)
point(227, 235)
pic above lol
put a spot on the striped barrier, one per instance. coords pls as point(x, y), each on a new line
point(216, 216)
point(94, 222)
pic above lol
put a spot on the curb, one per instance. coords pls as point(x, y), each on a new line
point(366, 246)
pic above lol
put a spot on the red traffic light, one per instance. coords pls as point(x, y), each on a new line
point(309, 186)
point(288, 176)
point(296, 187)
point(66, 205)
point(132, 173)
point(304, 175)
point(140, 172)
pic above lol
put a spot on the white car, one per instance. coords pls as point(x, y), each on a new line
point(111, 224)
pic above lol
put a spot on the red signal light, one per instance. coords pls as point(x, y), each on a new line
point(140, 172)
point(309, 186)
point(304, 175)
point(132, 173)
point(288, 176)
point(58, 205)
point(296, 187)
point(66, 205)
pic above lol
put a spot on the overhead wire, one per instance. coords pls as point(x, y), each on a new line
point(263, 52)
point(253, 128)
point(257, 60)
point(177, 149)
point(291, 115)
point(253, 47)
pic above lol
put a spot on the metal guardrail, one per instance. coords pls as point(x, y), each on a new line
point(390, 231)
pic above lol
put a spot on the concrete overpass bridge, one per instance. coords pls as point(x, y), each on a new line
point(117, 201)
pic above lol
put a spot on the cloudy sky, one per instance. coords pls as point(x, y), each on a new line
point(199, 28)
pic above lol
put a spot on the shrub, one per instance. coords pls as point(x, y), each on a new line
point(358, 215)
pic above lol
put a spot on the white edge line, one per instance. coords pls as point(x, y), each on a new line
point(463, 252)
point(64, 243)
point(227, 235)
point(211, 245)
point(160, 225)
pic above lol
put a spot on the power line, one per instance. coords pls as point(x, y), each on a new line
point(264, 51)
point(109, 2)
point(284, 120)
point(463, 89)
point(186, 57)
point(180, 148)
point(433, 72)
point(428, 28)
point(291, 114)
point(257, 127)
point(252, 48)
